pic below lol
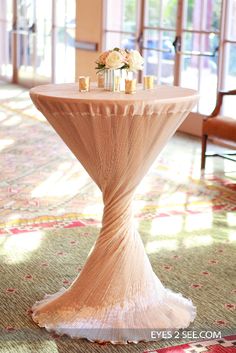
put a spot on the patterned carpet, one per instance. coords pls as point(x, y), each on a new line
point(223, 345)
point(50, 212)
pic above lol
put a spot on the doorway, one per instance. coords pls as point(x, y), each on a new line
point(37, 42)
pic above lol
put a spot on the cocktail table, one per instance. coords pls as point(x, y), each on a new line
point(116, 297)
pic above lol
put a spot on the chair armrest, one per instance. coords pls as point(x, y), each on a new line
point(228, 93)
point(219, 101)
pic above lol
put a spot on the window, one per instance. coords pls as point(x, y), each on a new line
point(6, 20)
point(64, 28)
point(191, 43)
point(36, 44)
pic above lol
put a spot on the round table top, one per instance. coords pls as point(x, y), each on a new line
point(70, 92)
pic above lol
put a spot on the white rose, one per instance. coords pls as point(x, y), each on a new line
point(114, 60)
point(135, 61)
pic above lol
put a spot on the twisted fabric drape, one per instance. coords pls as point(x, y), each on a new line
point(117, 297)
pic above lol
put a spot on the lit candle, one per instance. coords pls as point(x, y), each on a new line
point(84, 83)
point(116, 84)
point(130, 86)
point(148, 82)
point(100, 80)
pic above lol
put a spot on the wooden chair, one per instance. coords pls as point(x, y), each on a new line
point(218, 126)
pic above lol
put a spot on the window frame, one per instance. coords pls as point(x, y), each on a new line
point(180, 30)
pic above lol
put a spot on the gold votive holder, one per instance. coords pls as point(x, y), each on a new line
point(101, 80)
point(130, 86)
point(117, 81)
point(84, 83)
point(148, 82)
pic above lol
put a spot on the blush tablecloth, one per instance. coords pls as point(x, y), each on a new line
point(117, 297)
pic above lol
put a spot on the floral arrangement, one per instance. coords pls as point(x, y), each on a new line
point(120, 59)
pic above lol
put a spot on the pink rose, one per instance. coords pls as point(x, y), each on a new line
point(102, 57)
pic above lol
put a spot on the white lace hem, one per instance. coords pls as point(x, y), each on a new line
point(121, 324)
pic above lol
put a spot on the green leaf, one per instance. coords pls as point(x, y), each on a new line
point(100, 66)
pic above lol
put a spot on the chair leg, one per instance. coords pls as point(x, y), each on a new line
point(204, 146)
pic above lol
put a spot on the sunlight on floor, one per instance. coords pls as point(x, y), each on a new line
point(232, 236)
point(144, 186)
point(199, 221)
point(163, 225)
point(3, 116)
point(12, 121)
point(158, 245)
point(17, 247)
point(60, 183)
point(7, 93)
point(198, 240)
point(5, 143)
point(138, 205)
point(21, 105)
point(231, 219)
point(175, 199)
point(219, 165)
point(173, 244)
point(13, 216)
point(94, 210)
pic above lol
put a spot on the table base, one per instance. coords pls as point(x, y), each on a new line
point(120, 301)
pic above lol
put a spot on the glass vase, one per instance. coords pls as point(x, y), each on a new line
point(114, 79)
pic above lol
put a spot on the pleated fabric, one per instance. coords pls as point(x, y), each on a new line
point(116, 297)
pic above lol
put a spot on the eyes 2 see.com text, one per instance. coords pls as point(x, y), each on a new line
point(185, 334)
